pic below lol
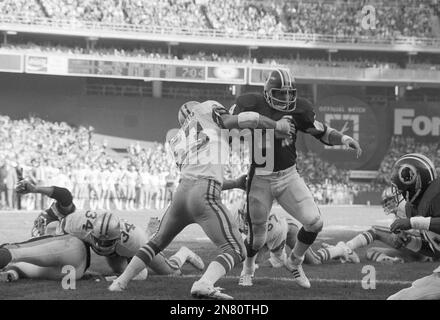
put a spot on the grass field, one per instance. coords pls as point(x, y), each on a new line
point(331, 281)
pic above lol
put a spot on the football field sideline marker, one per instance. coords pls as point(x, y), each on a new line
point(316, 280)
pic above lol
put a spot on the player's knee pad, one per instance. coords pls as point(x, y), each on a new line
point(307, 237)
point(315, 226)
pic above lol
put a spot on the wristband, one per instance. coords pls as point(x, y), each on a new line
point(345, 139)
point(420, 223)
point(248, 119)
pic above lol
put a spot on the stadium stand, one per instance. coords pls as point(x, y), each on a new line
point(407, 21)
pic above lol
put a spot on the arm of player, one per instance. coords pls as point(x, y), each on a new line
point(61, 195)
point(417, 223)
point(239, 183)
point(254, 120)
point(333, 137)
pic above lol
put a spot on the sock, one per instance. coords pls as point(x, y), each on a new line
point(326, 254)
point(214, 272)
point(375, 255)
point(135, 266)
point(249, 264)
point(361, 240)
point(140, 261)
point(299, 251)
point(179, 258)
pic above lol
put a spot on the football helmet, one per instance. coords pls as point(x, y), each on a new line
point(106, 234)
point(185, 110)
point(39, 227)
point(280, 90)
point(411, 176)
point(389, 201)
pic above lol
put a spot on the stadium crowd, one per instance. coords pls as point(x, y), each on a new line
point(409, 18)
point(51, 153)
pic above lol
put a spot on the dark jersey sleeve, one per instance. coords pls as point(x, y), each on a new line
point(246, 102)
point(307, 122)
point(63, 204)
point(434, 207)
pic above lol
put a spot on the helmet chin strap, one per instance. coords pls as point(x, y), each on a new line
point(415, 196)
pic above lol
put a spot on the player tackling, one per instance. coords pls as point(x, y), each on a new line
point(282, 182)
point(415, 179)
point(67, 234)
point(201, 149)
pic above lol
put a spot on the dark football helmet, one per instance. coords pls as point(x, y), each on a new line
point(411, 176)
point(280, 91)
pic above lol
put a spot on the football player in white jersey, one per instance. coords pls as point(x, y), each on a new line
point(405, 246)
point(201, 150)
point(104, 232)
point(282, 231)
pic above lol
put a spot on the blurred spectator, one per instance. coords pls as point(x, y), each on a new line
point(408, 18)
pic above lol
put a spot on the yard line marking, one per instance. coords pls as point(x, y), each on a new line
point(317, 280)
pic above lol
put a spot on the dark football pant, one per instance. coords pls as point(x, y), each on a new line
point(198, 201)
point(293, 195)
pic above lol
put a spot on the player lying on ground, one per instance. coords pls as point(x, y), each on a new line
point(109, 236)
point(281, 180)
point(406, 246)
point(414, 178)
point(201, 150)
point(282, 232)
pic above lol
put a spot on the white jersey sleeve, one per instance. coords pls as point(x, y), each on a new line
point(132, 239)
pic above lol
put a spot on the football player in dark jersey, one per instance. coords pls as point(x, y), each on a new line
point(414, 177)
point(280, 179)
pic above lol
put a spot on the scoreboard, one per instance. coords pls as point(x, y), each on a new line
point(134, 68)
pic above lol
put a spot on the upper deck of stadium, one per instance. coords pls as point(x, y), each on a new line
point(407, 25)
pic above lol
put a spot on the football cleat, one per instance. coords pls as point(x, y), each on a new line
point(116, 286)
point(9, 276)
point(349, 255)
point(300, 278)
point(194, 259)
point(204, 290)
point(246, 280)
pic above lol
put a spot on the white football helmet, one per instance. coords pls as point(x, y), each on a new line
point(185, 110)
point(389, 201)
point(106, 234)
